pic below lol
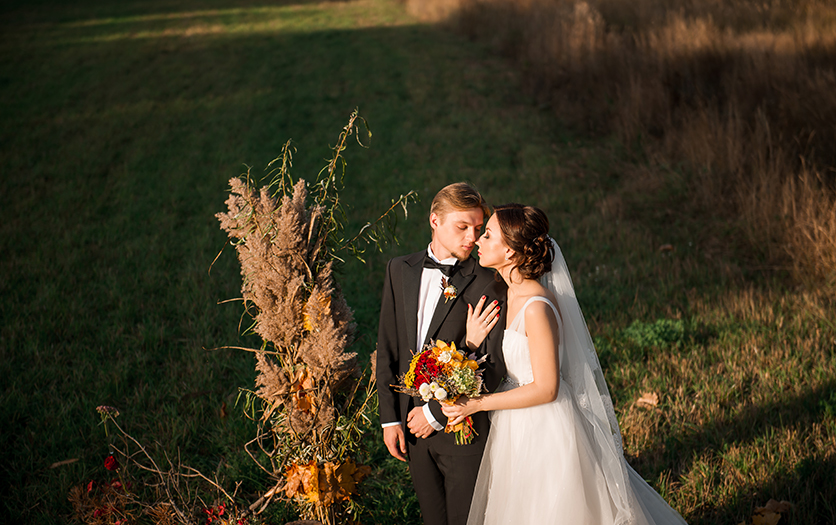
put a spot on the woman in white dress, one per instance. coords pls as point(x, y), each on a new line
point(554, 452)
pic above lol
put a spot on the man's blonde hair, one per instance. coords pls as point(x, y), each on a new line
point(459, 196)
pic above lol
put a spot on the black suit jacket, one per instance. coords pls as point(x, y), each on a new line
point(398, 330)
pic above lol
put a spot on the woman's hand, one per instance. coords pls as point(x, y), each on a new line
point(458, 411)
point(480, 322)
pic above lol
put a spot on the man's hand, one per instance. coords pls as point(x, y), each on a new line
point(418, 424)
point(394, 439)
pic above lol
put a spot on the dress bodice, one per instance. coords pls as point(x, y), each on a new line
point(515, 346)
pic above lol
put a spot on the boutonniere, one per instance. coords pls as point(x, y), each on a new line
point(448, 290)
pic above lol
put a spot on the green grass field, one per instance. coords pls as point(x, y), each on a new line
point(123, 122)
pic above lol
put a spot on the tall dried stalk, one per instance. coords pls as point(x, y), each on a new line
point(310, 400)
point(287, 236)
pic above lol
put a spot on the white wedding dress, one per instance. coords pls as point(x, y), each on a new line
point(547, 464)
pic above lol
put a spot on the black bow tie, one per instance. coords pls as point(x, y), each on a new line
point(446, 269)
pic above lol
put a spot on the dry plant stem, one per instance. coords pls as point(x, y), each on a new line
point(332, 166)
point(209, 271)
point(170, 480)
point(257, 440)
point(264, 501)
point(155, 470)
point(252, 350)
point(214, 483)
point(400, 202)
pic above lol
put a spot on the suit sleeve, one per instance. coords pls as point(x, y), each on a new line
point(435, 410)
point(387, 354)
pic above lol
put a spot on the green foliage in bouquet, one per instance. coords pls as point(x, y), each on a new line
point(308, 400)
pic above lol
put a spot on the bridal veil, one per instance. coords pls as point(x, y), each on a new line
point(581, 373)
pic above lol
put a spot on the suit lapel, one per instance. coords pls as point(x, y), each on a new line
point(411, 286)
point(461, 279)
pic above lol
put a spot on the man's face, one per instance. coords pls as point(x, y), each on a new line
point(455, 234)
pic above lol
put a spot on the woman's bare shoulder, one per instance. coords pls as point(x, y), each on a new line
point(540, 309)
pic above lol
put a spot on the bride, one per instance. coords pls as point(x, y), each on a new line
point(554, 451)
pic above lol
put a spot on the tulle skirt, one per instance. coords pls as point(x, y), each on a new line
point(540, 467)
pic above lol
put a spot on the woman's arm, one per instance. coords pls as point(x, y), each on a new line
point(543, 343)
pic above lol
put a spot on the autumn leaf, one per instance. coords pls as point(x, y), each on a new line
point(300, 387)
point(771, 513)
point(766, 518)
point(648, 400)
point(302, 480)
point(338, 481)
point(349, 475)
point(310, 324)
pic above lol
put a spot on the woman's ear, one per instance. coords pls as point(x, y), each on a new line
point(509, 254)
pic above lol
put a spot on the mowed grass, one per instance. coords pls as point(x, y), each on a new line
point(122, 123)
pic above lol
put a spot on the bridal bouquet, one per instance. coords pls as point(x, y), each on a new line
point(444, 373)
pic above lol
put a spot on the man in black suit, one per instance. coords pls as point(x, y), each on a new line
point(414, 312)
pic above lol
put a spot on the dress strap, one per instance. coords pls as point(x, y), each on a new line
point(518, 324)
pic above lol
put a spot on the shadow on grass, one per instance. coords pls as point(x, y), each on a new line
point(813, 474)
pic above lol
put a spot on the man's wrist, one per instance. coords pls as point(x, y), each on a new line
point(431, 418)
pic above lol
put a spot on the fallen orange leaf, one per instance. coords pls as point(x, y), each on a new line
point(771, 513)
point(780, 507)
point(648, 400)
point(766, 518)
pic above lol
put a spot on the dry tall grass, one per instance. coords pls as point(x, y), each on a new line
point(740, 96)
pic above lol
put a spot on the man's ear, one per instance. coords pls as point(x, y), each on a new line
point(435, 221)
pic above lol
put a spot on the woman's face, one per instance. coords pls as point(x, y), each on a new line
point(493, 252)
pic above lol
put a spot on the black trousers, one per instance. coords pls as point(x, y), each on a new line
point(443, 482)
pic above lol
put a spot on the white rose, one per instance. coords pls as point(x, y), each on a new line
point(433, 386)
point(441, 394)
point(445, 356)
point(425, 391)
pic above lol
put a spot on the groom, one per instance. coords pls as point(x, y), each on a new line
point(414, 312)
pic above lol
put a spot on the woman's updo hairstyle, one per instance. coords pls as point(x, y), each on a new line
point(525, 229)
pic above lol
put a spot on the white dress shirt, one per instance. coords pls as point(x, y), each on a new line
point(428, 296)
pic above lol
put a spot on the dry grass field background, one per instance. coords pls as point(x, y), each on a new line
point(734, 102)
